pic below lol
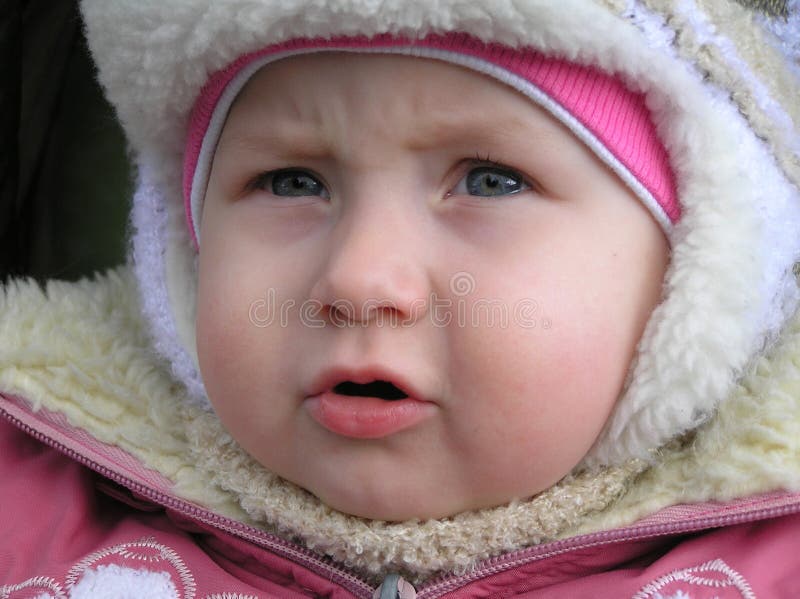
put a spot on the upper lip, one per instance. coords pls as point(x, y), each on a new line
point(331, 377)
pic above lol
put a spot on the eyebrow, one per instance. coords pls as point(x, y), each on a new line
point(295, 143)
point(437, 132)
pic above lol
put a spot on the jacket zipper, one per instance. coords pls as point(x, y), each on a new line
point(429, 590)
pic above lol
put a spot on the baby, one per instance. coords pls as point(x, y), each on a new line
point(368, 184)
point(480, 294)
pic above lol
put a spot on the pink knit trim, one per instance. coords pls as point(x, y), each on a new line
point(616, 116)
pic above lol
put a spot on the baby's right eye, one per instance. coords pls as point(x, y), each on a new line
point(291, 182)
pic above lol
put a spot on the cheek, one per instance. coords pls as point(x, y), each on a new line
point(236, 354)
point(226, 287)
point(224, 344)
point(550, 386)
point(529, 412)
point(552, 376)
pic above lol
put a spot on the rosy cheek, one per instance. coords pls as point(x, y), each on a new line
point(573, 375)
point(223, 333)
point(217, 353)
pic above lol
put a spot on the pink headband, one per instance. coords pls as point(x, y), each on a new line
point(611, 120)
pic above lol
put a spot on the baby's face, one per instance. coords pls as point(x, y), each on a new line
point(401, 219)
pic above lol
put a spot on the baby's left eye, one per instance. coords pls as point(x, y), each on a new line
point(490, 181)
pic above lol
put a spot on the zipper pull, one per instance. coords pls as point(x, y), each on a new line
point(394, 587)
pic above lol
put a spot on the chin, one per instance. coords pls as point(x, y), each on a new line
point(390, 505)
point(374, 508)
point(387, 504)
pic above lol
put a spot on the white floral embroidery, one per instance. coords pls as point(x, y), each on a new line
point(678, 595)
point(714, 574)
point(116, 582)
point(143, 568)
point(50, 589)
point(145, 551)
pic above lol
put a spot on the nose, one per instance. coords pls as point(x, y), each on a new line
point(374, 268)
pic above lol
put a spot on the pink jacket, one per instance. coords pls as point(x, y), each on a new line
point(81, 519)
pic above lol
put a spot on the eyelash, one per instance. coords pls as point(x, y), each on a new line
point(487, 160)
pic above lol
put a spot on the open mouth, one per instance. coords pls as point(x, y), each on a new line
point(380, 389)
point(365, 404)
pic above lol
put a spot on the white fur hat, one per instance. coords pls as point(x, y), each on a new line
point(720, 80)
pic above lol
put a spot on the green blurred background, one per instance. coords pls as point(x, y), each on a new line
point(65, 181)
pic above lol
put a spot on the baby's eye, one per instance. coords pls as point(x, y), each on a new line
point(291, 182)
point(490, 181)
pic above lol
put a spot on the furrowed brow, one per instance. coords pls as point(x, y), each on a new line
point(288, 143)
point(471, 128)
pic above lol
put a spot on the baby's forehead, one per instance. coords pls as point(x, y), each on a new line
point(424, 100)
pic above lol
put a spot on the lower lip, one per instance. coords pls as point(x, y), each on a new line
point(366, 417)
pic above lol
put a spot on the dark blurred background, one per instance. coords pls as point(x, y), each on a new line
point(65, 183)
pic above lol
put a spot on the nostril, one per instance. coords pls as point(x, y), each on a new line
point(380, 389)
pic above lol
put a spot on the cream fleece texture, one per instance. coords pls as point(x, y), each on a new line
point(80, 349)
